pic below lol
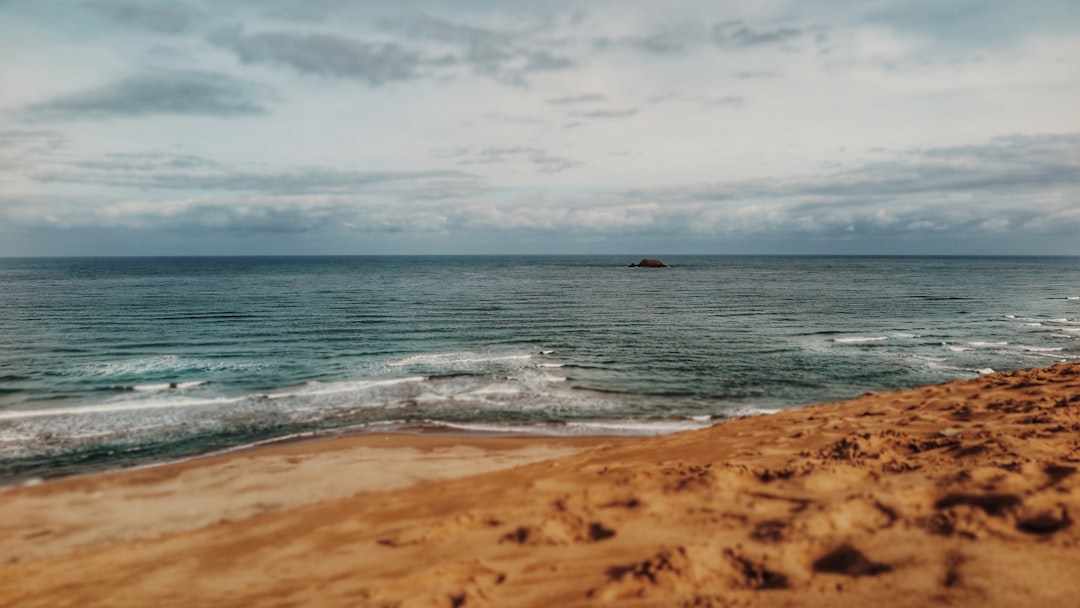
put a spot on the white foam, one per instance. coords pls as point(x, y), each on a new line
point(115, 407)
point(551, 365)
point(333, 388)
point(638, 427)
point(168, 385)
point(1032, 324)
point(858, 339)
point(1042, 349)
point(1010, 316)
point(160, 365)
point(455, 359)
point(546, 352)
point(904, 335)
point(985, 370)
point(985, 344)
point(1073, 298)
point(491, 390)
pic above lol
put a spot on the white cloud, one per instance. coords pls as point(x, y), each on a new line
point(779, 121)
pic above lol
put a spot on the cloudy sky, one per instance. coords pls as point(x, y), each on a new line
point(131, 127)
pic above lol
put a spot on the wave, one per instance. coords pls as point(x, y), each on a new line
point(316, 388)
point(859, 339)
point(158, 366)
point(107, 408)
point(617, 427)
point(984, 344)
point(456, 358)
point(164, 386)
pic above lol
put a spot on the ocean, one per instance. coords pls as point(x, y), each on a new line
point(114, 362)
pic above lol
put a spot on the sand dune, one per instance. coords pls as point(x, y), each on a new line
point(959, 494)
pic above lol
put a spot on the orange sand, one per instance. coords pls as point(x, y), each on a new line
point(958, 494)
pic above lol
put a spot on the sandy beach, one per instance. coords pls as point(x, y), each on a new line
point(958, 494)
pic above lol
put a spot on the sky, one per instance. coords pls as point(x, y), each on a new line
point(281, 127)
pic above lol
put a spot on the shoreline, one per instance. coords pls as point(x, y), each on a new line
point(956, 493)
point(418, 428)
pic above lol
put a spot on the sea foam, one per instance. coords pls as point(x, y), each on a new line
point(859, 339)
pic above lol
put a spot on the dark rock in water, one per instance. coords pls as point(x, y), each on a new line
point(649, 263)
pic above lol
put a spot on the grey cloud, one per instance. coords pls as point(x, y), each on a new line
point(38, 140)
point(516, 120)
point(150, 161)
point(1022, 188)
point(464, 35)
point(605, 113)
point(275, 219)
point(325, 55)
point(738, 34)
point(536, 61)
point(507, 56)
point(165, 17)
point(160, 92)
point(22, 149)
point(427, 48)
point(706, 102)
point(754, 74)
point(440, 190)
point(662, 43)
point(573, 99)
point(298, 181)
point(456, 152)
point(730, 100)
point(1016, 179)
point(1001, 165)
point(673, 39)
point(545, 163)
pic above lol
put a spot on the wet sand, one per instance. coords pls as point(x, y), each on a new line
point(958, 494)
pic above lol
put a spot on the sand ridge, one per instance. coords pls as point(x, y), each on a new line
point(958, 494)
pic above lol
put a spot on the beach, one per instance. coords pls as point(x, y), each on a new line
point(962, 493)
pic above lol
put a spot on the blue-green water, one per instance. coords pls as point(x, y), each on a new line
point(110, 362)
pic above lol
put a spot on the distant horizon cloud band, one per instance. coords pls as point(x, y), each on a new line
point(180, 127)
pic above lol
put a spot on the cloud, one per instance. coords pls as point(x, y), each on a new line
point(159, 92)
point(325, 55)
point(165, 176)
point(545, 163)
point(605, 113)
point(424, 47)
point(754, 74)
point(738, 34)
point(514, 120)
point(1019, 187)
point(955, 190)
point(575, 99)
point(164, 17)
point(661, 43)
point(508, 56)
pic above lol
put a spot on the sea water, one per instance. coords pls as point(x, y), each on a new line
point(110, 362)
